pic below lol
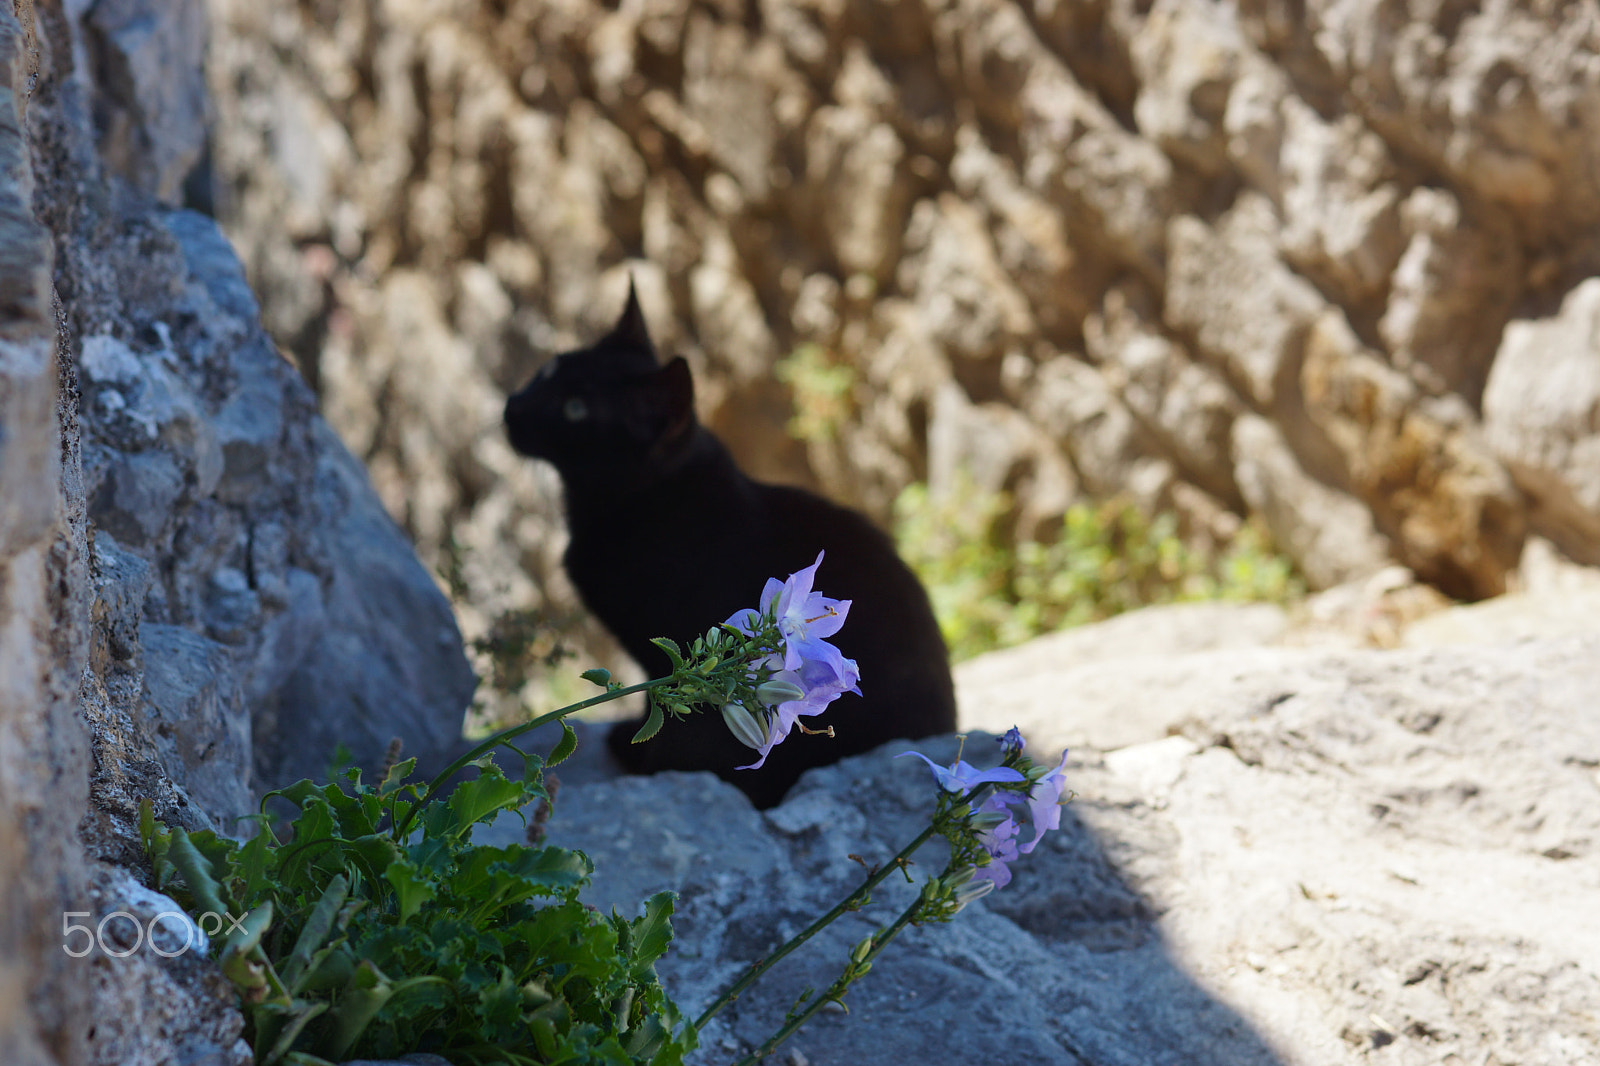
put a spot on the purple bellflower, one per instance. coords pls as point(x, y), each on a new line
point(805, 673)
point(962, 777)
point(996, 820)
point(1044, 804)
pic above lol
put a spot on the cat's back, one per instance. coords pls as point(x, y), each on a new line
point(891, 631)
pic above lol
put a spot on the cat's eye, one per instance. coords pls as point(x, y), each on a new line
point(575, 410)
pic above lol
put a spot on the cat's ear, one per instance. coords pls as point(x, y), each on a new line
point(631, 326)
point(674, 399)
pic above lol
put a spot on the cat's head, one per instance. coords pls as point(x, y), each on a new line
point(609, 410)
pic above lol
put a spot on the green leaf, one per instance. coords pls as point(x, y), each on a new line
point(375, 852)
point(254, 859)
point(670, 646)
point(652, 933)
point(597, 676)
point(412, 889)
point(565, 746)
point(395, 778)
point(474, 801)
point(197, 874)
point(301, 1058)
point(369, 990)
point(316, 929)
point(244, 937)
point(300, 1012)
point(330, 968)
point(501, 876)
point(652, 724)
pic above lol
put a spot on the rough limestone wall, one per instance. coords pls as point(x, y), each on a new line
point(1230, 258)
point(200, 594)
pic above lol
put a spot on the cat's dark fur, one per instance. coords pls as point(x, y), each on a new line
point(670, 538)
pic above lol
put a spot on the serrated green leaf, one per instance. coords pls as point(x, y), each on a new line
point(564, 747)
point(652, 724)
point(670, 646)
point(652, 933)
point(502, 876)
point(253, 860)
point(597, 676)
point(396, 776)
point(412, 888)
point(476, 800)
point(374, 852)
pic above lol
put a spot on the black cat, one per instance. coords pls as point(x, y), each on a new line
point(670, 538)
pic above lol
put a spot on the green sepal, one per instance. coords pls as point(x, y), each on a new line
point(597, 676)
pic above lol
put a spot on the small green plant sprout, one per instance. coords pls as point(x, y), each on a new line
point(822, 390)
point(1105, 558)
point(371, 925)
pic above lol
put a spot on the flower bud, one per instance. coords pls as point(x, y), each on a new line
point(973, 890)
point(960, 877)
point(986, 820)
point(775, 691)
point(862, 950)
point(744, 726)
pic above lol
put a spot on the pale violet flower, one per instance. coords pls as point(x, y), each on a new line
point(805, 619)
point(999, 839)
point(997, 821)
point(1044, 803)
point(963, 777)
point(805, 674)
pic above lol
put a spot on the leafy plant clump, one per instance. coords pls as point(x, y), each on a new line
point(375, 927)
point(1108, 558)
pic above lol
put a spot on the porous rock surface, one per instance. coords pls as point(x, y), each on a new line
point(1321, 262)
point(200, 595)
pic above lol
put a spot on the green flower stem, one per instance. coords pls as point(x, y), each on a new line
point(835, 994)
point(516, 731)
point(850, 902)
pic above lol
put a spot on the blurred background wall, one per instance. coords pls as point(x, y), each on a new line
point(1316, 269)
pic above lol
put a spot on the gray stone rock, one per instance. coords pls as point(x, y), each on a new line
point(195, 713)
point(1305, 856)
point(387, 656)
point(1041, 983)
point(150, 96)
